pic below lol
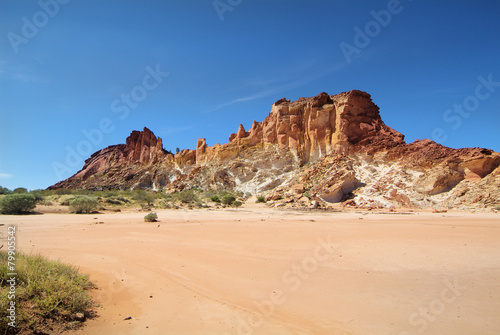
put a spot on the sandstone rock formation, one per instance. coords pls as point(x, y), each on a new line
point(332, 148)
point(416, 175)
point(315, 127)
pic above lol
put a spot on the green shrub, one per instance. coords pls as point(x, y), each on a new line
point(4, 190)
point(110, 194)
point(145, 196)
point(215, 198)
point(66, 202)
point(186, 196)
point(38, 196)
point(17, 203)
point(85, 192)
point(261, 198)
point(228, 199)
point(83, 204)
point(113, 201)
point(237, 203)
point(48, 294)
point(20, 190)
point(164, 204)
point(151, 217)
point(122, 199)
point(43, 193)
point(63, 191)
point(150, 198)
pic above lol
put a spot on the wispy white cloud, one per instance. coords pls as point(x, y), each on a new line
point(284, 75)
point(243, 99)
point(279, 88)
point(5, 175)
point(22, 72)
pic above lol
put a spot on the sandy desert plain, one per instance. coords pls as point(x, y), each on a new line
point(257, 270)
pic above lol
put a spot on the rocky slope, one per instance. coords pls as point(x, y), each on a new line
point(328, 149)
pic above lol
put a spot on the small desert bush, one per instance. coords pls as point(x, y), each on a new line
point(38, 196)
point(44, 193)
point(4, 190)
point(116, 200)
point(215, 198)
point(20, 190)
point(228, 199)
point(109, 194)
point(63, 191)
point(122, 199)
point(237, 203)
point(17, 203)
point(145, 197)
point(47, 293)
point(261, 198)
point(65, 202)
point(166, 196)
point(113, 201)
point(186, 196)
point(151, 217)
point(164, 204)
point(83, 204)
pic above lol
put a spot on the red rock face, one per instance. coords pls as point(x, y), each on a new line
point(353, 158)
point(315, 127)
point(311, 128)
point(144, 147)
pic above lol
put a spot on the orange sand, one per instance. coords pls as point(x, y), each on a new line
point(255, 270)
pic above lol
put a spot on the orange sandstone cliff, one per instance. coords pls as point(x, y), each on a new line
point(324, 149)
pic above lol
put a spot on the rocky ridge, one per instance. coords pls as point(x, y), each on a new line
point(327, 149)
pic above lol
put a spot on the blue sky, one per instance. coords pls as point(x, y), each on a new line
point(188, 69)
